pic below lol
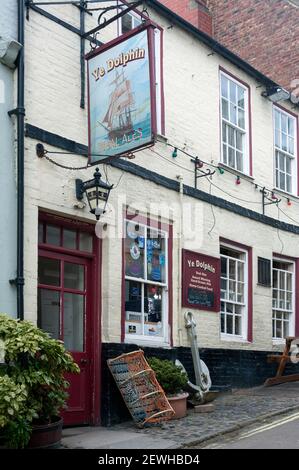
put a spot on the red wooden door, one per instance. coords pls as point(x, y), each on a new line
point(64, 311)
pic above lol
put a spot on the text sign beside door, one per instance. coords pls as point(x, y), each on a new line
point(200, 281)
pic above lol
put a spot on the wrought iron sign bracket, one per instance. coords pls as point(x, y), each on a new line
point(85, 7)
point(198, 172)
point(267, 201)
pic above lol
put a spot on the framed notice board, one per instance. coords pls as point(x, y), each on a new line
point(200, 281)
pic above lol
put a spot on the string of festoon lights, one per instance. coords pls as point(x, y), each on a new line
point(238, 178)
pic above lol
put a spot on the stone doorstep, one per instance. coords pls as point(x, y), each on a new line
point(208, 408)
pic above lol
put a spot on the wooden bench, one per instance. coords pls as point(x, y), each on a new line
point(282, 359)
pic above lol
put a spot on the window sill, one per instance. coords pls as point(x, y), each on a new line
point(150, 342)
point(285, 193)
point(278, 342)
point(234, 339)
point(235, 172)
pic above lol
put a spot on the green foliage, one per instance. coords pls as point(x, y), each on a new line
point(171, 377)
point(32, 386)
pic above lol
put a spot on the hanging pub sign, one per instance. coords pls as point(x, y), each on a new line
point(201, 281)
point(121, 77)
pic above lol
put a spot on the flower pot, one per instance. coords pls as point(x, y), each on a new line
point(46, 435)
point(179, 404)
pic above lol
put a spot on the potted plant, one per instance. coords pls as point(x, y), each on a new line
point(32, 385)
point(173, 380)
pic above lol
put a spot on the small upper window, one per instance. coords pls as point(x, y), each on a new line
point(234, 130)
point(285, 151)
point(128, 22)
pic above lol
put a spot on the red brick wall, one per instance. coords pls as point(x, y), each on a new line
point(194, 11)
point(263, 32)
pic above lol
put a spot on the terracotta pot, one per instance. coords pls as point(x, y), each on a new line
point(179, 404)
point(46, 435)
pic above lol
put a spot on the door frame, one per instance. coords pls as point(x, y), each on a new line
point(95, 301)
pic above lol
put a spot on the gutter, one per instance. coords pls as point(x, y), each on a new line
point(20, 112)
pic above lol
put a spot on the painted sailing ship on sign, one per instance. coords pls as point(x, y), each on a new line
point(119, 118)
point(120, 98)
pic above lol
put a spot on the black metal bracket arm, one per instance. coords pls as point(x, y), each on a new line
point(16, 112)
point(269, 199)
point(40, 150)
point(17, 281)
point(103, 22)
point(198, 172)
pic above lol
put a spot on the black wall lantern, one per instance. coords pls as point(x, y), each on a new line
point(97, 193)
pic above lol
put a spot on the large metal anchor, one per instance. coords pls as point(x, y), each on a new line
point(202, 374)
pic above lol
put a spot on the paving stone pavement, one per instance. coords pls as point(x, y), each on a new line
point(239, 409)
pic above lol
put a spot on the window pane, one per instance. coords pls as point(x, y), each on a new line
point(225, 154)
point(231, 136)
point(225, 109)
point(239, 140)
point(229, 325)
point(223, 288)
point(223, 267)
point(291, 149)
point(231, 157)
point(289, 183)
point(277, 120)
point(73, 322)
point(232, 92)
point(238, 325)
point(70, 239)
point(224, 132)
point(85, 242)
point(133, 307)
point(241, 97)
point(277, 138)
point(134, 250)
point(53, 235)
point(284, 142)
point(239, 157)
point(153, 310)
point(156, 257)
point(240, 269)
point(232, 269)
point(126, 23)
point(291, 127)
point(40, 232)
point(284, 123)
point(49, 271)
point(74, 276)
point(241, 118)
point(49, 312)
point(233, 113)
point(224, 87)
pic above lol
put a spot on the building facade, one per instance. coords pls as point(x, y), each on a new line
point(227, 250)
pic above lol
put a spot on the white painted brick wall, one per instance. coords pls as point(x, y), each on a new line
point(192, 120)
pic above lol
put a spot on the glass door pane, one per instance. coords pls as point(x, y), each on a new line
point(49, 271)
point(73, 322)
point(74, 276)
point(49, 312)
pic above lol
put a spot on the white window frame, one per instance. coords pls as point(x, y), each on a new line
point(146, 339)
point(292, 312)
point(246, 131)
point(244, 328)
point(286, 154)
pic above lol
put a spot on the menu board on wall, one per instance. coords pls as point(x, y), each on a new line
point(200, 281)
